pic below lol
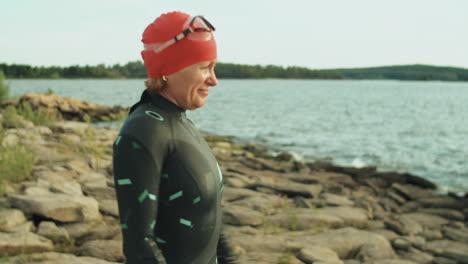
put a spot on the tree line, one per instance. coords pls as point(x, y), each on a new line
point(136, 69)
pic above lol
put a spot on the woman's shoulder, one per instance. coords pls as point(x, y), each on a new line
point(147, 122)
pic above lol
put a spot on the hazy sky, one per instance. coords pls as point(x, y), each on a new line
point(310, 33)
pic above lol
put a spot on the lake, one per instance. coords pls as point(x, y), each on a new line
point(404, 126)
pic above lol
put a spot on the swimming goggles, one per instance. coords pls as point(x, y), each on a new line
point(198, 29)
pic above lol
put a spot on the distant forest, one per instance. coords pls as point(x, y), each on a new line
point(136, 69)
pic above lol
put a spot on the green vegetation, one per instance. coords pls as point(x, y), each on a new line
point(407, 72)
point(40, 117)
point(4, 88)
point(16, 164)
point(136, 69)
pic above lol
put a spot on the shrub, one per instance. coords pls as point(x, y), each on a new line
point(16, 164)
point(38, 117)
point(4, 88)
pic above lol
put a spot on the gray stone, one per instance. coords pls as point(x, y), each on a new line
point(418, 256)
point(337, 200)
point(446, 213)
point(449, 249)
point(110, 250)
point(315, 254)
point(427, 220)
point(9, 218)
point(232, 194)
point(17, 243)
point(52, 232)
point(238, 215)
point(109, 207)
point(78, 165)
point(93, 180)
point(404, 225)
point(293, 189)
point(304, 219)
point(401, 244)
point(460, 234)
point(442, 202)
point(411, 192)
point(391, 261)
point(55, 258)
point(351, 216)
point(348, 242)
point(59, 207)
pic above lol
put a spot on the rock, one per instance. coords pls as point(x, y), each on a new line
point(17, 243)
point(55, 258)
point(9, 218)
point(406, 242)
point(52, 232)
point(69, 108)
point(23, 228)
point(10, 140)
point(427, 220)
point(418, 256)
point(390, 261)
point(238, 215)
point(93, 180)
point(351, 216)
point(388, 234)
point(110, 250)
point(232, 194)
point(401, 244)
point(337, 200)
point(82, 232)
point(403, 225)
point(109, 207)
point(303, 219)
point(411, 192)
point(294, 189)
point(318, 254)
point(442, 202)
point(80, 166)
point(441, 260)
point(34, 190)
point(446, 213)
point(460, 234)
point(432, 234)
point(59, 207)
point(348, 242)
point(449, 249)
point(263, 203)
point(66, 187)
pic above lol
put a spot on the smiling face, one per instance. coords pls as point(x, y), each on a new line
point(189, 87)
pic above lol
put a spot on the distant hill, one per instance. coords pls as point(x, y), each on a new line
point(406, 72)
point(136, 69)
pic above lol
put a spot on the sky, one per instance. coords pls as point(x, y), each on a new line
point(309, 33)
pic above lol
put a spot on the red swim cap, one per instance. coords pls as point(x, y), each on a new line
point(178, 55)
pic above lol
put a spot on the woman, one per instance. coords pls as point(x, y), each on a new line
point(168, 183)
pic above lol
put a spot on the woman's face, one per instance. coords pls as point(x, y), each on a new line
point(189, 87)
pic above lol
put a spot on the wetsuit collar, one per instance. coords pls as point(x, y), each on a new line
point(162, 102)
point(157, 100)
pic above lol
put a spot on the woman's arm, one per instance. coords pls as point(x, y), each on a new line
point(137, 179)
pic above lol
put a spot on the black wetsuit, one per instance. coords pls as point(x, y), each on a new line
point(169, 187)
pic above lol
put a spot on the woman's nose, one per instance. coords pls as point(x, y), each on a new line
point(212, 80)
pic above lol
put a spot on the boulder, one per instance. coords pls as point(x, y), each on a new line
point(239, 215)
point(449, 249)
point(352, 243)
point(18, 243)
point(9, 218)
point(59, 207)
point(317, 254)
point(110, 250)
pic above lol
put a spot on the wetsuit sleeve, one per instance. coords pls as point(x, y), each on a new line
point(137, 178)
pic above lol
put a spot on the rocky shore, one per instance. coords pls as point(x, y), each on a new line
point(276, 209)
